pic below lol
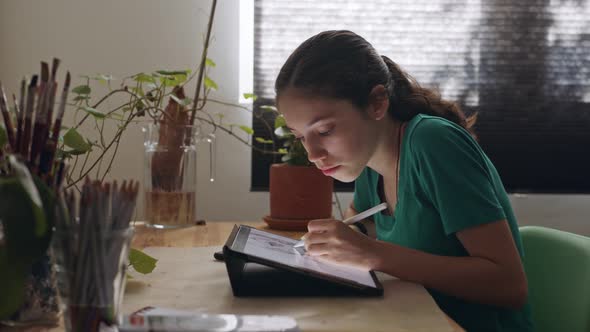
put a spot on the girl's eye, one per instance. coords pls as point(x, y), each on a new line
point(326, 132)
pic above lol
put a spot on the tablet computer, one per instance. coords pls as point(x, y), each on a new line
point(261, 263)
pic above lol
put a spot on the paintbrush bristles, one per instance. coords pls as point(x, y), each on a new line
point(35, 136)
point(62, 108)
point(54, 67)
point(28, 122)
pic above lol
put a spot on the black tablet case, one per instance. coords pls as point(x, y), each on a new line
point(252, 276)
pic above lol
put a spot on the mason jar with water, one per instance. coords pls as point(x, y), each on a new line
point(170, 180)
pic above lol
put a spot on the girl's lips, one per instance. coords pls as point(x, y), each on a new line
point(330, 171)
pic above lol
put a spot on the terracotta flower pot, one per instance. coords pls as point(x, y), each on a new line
point(298, 194)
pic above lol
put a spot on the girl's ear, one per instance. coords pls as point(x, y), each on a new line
point(378, 103)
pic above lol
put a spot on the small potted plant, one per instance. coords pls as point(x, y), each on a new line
point(299, 191)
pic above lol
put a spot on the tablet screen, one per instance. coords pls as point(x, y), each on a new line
point(276, 248)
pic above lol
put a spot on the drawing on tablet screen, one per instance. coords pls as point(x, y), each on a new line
point(280, 249)
point(264, 241)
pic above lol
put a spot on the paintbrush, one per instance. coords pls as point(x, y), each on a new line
point(48, 155)
point(19, 123)
point(53, 89)
point(38, 140)
point(21, 114)
point(28, 122)
point(7, 120)
point(49, 146)
point(61, 109)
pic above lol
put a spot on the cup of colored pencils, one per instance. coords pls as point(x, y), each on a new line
point(91, 253)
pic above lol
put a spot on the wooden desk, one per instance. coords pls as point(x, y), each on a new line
point(167, 286)
point(212, 234)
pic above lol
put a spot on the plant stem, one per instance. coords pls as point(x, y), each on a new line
point(202, 65)
point(101, 101)
point(119, 133)
point(230, 132)
point(112, 159)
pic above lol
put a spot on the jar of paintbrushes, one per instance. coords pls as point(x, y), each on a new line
point(91, 251)
point(31, 128)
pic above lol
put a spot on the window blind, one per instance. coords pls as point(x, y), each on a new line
point(524, 66)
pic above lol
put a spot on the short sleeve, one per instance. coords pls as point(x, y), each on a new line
point(454, 174)
point(362, 191)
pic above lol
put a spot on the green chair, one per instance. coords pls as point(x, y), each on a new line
point(557, 265)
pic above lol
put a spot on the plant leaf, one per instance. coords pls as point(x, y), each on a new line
point(263, 141)
point(282, 132)
point(142, 77)
point(27, 212)
point(81, 97)
point(185, 102)
point(69, 153)
point(27, 231)
point(12, 284)
point(210, 63)
point(210, 84)
point(169, 81)
point(280, 122)
point(82, 90)
point(250, 96)
point(102, 77)
point(139, 90)
point(246, 129)
point(26, 181)
point(173, 72)
point(117, 116)
point(74, 140)
point(268, 108)
point(151, 86)
point(93, 112)
point(141, 262)
point(180, 78)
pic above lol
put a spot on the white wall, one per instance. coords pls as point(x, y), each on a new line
point(125, 37)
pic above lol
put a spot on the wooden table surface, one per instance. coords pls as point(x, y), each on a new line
point(211, 234)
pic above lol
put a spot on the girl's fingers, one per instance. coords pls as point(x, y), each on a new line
point(318, 249)
point(316, 237)
point(322, 225)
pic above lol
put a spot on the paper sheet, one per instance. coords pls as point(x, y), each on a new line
point(280, 249)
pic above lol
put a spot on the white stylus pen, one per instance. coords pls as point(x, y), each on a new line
point(353, 219)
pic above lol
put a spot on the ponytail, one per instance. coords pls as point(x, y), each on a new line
point(407, 99)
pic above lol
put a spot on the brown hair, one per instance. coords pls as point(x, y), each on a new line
point(342, 64)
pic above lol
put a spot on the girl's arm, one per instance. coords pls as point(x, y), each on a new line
point(492, 274)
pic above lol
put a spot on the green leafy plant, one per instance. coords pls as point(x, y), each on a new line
point(293, 151)
point(27, 216)
point(146, 95)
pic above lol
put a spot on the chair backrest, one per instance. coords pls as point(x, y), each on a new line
point(557, 265)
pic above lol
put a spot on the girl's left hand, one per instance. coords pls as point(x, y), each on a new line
point(334, 241)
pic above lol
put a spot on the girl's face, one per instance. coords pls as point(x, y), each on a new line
point(339, 137)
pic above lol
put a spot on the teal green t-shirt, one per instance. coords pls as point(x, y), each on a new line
point(446, 184)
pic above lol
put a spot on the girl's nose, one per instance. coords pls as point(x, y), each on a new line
point(315, 153)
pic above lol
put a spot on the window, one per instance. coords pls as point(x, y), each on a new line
point(524, 66)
